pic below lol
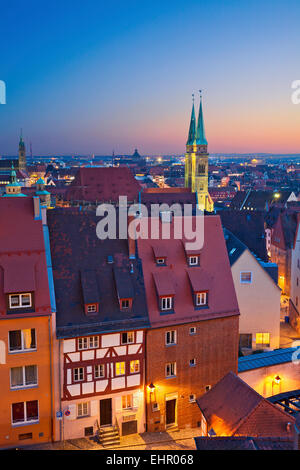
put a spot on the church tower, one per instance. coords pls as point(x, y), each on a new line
point(196, 162)
point(22, 154)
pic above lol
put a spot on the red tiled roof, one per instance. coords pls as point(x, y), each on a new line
point(164, 283)
point(22, 253)
point(214, 274)
point(232, 407)
point(103, 184)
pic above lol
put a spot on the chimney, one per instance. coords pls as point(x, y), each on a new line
point(37, 208)
point(131, 241)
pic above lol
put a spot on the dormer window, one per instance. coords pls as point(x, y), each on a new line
point(20, 300)
point(161, 261)
point(91, 308)
point(125, 304)
point(166, 303)
point(201, 299)
point(193, 260)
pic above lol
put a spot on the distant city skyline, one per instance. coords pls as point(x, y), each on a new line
point(90, 78)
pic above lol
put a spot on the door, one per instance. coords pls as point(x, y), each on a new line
point(105, 412)
point(170, 412)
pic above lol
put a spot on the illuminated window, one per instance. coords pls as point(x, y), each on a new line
point(126, 402)
point(262, 339)
point(120, 368)
point(22, 340)
point(20, 301)
point(134, 366)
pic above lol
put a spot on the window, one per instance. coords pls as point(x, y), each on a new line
point(90, 342)
point(262, 339)
point(171, 369)
point(127, 402)
point(125, 303)
point(128, 337)
point(246, 277)
point(91, 308)
point(201, 298)
point(22, 340)
point(78, 374)
point(193, 330)
point(25, 412)
point(99, 371)
point(246, 340)
point(171, 337)
point(120, 368)
point(25, 376)
point(207, 388)
point(193, 260)
point(82, 409)
point(192, 362)
point(134, 366)
point(20, 300)
point(166, 303)
point(192, 398)
point(160, 261)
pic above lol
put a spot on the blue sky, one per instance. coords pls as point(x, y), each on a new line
point(90, 77)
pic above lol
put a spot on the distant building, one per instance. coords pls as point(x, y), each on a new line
point(258, 297)
point(18, 164)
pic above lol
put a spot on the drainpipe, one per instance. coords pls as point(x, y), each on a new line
point(59, 388)
point(51, 382)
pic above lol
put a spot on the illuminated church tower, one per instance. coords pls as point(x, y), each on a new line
point(22, 154)
point(196, 161)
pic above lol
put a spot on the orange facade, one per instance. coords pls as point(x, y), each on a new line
point(26, 382)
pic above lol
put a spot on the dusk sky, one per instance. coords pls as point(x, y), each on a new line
point(89, 76)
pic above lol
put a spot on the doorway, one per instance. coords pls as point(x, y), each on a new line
point(106, 412)
point(171, 412)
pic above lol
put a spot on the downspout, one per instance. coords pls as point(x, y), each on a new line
point(59, 388)
point(51, 381)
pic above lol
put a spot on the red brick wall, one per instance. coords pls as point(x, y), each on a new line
point(215, 348)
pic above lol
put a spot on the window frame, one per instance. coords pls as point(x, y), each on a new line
point(20, 295)
point(173, 335)
point(131, 333)
point(199, 295)
point(136, 362)
point(82, 414)
point(165, 299)
point(120, 367)
point(243, 281)
point(23, 349)
point(79, 374)
point(24, 385)
point(171, 365)
point(25, 421)
point(101, 367)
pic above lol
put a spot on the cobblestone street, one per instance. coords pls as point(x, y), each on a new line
point(178, 440)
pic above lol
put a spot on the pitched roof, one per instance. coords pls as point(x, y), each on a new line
point(243, 443)
point(76, 249)
point(266, 359)
point(249, 228)
point(213, 274)
point(232, 407)
point(103, 184)
point(23, 264)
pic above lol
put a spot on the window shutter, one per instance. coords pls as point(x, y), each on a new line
point(136, 400)
point(72, 409)
point(94, 407)
point(118, 401)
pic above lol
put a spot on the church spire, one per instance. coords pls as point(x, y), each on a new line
point(192, 131)
point(200, 135)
